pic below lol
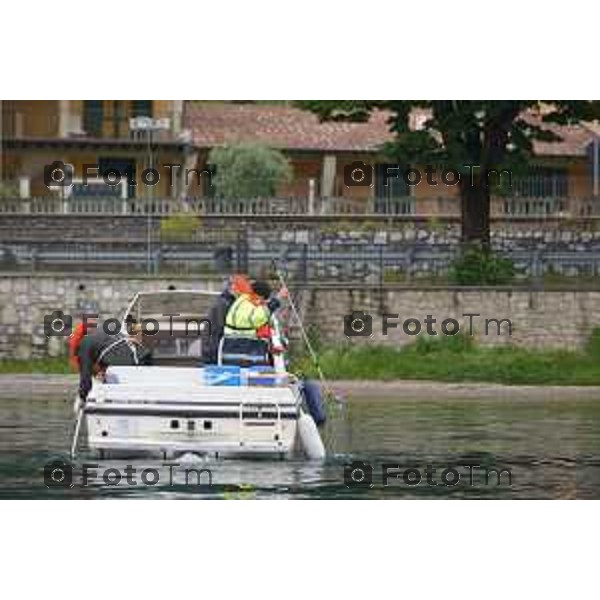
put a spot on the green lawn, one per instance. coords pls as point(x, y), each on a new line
point(455, 360)
point(452, 359)
point(40, 365)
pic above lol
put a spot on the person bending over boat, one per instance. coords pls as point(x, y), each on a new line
point(247, 333)
point(99, 351)
point(87, 326)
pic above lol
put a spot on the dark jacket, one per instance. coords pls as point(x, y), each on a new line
point(216, 318)
point(100, 350)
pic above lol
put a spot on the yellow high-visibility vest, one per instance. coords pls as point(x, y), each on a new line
point(244, 317)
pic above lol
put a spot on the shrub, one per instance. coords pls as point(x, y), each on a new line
point(178, 228)
point(9, 189)
point(248, 171)
point(481, 266)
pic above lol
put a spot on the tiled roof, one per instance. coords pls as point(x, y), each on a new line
point(575, 140)
point(285, 127)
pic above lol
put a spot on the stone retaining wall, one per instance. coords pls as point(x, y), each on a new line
point(557, 319)
point(550, 319)
point(24, 300)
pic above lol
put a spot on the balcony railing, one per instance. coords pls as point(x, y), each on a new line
point(297, 206)
point(550, 206)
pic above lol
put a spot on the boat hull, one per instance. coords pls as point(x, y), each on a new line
point(167, 421)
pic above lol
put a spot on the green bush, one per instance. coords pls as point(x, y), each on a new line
point(248, 171)
point(481, 266)
point(9, 189)
point(178, 228)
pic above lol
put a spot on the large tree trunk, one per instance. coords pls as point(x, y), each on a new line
point(475, 211)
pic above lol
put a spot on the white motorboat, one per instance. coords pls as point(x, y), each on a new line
point(179, 405)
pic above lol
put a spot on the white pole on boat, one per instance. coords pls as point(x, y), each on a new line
point(76, 432)
point(315, 359)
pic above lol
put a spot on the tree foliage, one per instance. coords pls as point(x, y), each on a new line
point(492, 134)
point(9, 189)
point(248, 171)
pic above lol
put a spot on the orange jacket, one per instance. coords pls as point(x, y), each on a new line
point(73, 342)
point(240, 285)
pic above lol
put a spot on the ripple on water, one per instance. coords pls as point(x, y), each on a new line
point(552, 450)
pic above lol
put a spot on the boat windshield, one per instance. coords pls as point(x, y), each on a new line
point(163, 304)
point(175, 324)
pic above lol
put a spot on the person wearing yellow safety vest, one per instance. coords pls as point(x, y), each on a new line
point(246, 331)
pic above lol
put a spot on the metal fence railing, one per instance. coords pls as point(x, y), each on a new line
point(223, 252)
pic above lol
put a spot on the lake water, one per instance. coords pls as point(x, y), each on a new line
point(552, 450)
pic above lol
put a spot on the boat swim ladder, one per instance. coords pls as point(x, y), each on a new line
point(278, 425)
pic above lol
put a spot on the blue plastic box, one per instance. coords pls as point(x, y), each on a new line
point(229, 375)
point(263, 375)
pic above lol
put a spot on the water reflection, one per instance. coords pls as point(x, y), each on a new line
point(551, 448)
